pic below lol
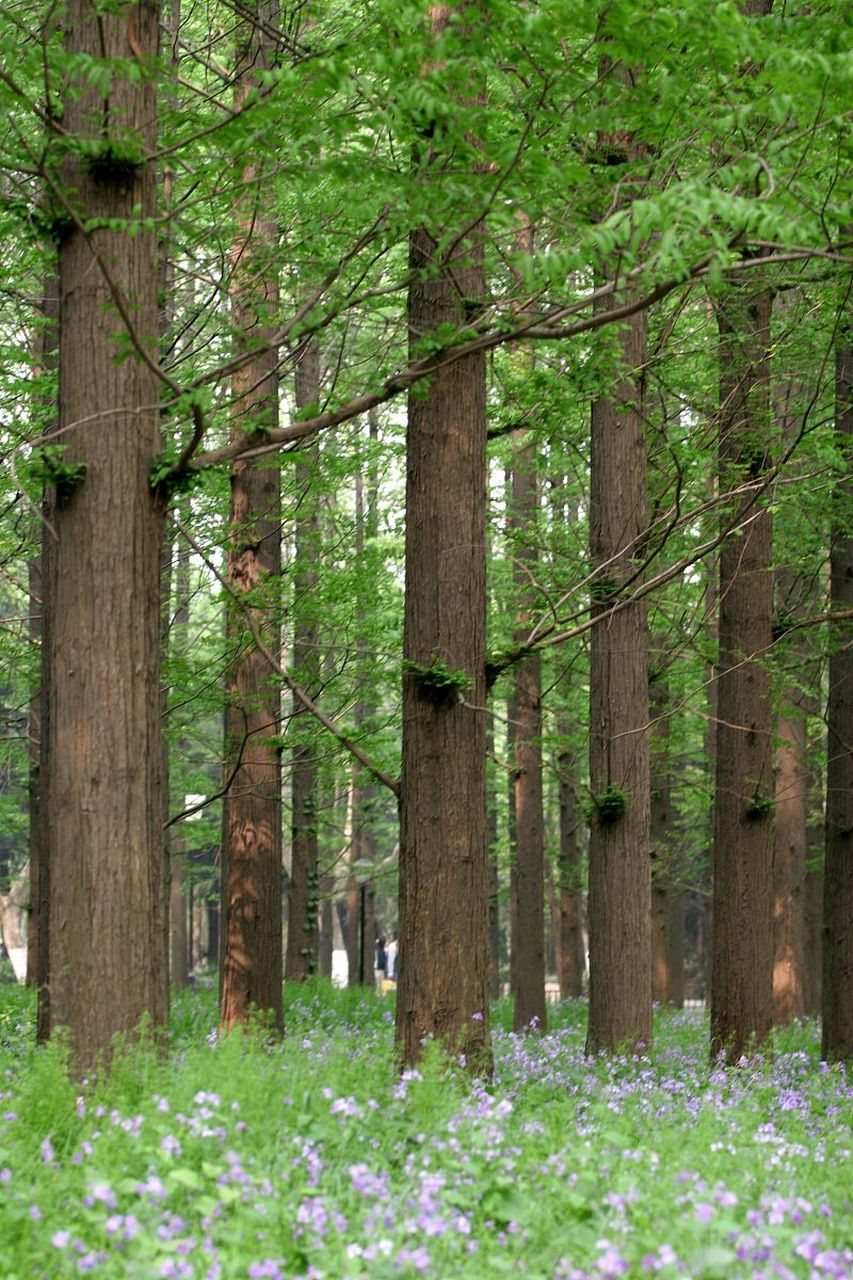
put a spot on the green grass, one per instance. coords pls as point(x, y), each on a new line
point(312, 1158)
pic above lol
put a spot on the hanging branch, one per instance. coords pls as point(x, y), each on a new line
point(297, 691)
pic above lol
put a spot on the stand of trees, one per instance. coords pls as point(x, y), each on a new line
point(502, 280)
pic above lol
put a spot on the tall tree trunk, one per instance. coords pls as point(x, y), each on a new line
point(569, 943)
point(620, 998)
point(179, 940)
point(104, 828)
point(40, 575)
point(303, 902)
point(667, 892)
point(494, 878)
point(528, 940)
point(359, 922)
point(619, 907)
point(799, 698)
point(742, 953)
point(444, 883)
point(443, 919)
point(789, 863)
point(251, 970)
point(837, 1007)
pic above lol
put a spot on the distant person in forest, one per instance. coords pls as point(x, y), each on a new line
point(392, 959)
point(381, 962)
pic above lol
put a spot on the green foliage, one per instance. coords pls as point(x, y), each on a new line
point(437, 682)
point(46, 465)
point(608, 807)
point(759, 806)
point(281, 1156)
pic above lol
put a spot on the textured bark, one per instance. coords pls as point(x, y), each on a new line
point(251, 967)
point(494, 880)
point(667, 892)
point(102, 733)
point(443, 861)
point(179, 940)
point(620, 999)
point(789, 869)
point(800, 697)
point(351, 922)
point(837, 1003)
point(742, 953)
point(813, 969)
point(569, 942)
point(325, 943)
point(302, 932)
point(40, 575)
point(34, 792)
point(528, 940)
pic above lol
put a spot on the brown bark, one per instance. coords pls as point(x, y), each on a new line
point(667, 891)
point(250, 943)
point(302, 926)
point(442, 989)
point(325, 942)
point(102, 776)
point(494, 879)
point(620, 999)
point(837, 1005)
point(40, 574)
point(569, 941)
point(179, 941)
point(528, 939)
point(813, 967)
point(742, 953)
point(789, 866)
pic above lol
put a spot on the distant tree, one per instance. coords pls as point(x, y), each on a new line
point(837, 1042)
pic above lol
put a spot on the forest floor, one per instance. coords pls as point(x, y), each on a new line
point(313, 1159)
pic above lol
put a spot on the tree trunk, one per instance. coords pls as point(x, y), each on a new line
point(251, 970)
point(837, 1043)
point(40, 575)
point(742, 953)
point(569, 943)
point(494, 879)
point(789, 865)
point(442, 989)
point(667, 892)
point(179, 945)
point(302, 933)
point(104, 827)
point(620, 999)
point(528, 940)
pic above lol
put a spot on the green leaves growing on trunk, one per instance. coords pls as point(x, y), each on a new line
point(437, 683)
point(46, 465)
point(608, 807)
point(759, 806)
